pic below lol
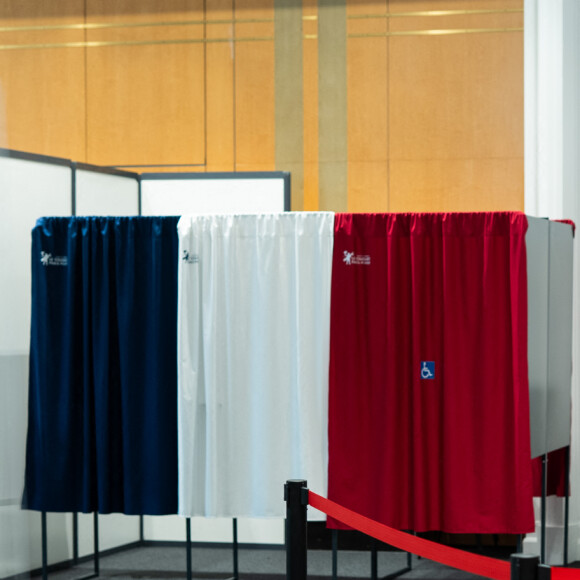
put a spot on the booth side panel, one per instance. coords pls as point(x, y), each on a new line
point(196, 196)
point(103, 194)
point(28, 190)
point(560, 336)
point(537, 238)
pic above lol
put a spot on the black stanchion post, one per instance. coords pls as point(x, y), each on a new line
point(296, 497)
point(544, 572)
point(524, 567)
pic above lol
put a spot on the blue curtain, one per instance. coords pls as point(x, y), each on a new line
point(102, 432)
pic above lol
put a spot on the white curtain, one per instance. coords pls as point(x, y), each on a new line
point(253, 333)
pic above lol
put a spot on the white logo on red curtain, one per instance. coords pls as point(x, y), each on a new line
point(47, 259)
point(351, 259)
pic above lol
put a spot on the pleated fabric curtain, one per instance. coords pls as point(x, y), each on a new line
point(102, 432)
point(253, 327)
point(556, 473)
point(429, 411)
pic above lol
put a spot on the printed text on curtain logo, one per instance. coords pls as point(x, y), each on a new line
point(352, 259)
point(189, 258)
point(47, 259)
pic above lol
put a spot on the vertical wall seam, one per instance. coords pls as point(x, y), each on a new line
point(288, 95)
point(234, 101)
point(205, 124)
point(332, 106)
point(86, 67)
point(388, 112)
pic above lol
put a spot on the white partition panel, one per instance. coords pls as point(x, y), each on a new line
point(32, 187)
point(214, 193)
point(549, 247)
point(560, 337)
point(181, 194)
point(99, 193)
point(29, 188)
point(537, 249)
point(114, 530)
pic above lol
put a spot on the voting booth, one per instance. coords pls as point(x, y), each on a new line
point(105, 387)
point(33, 186)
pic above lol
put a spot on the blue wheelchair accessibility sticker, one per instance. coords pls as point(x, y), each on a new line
point(427, 369)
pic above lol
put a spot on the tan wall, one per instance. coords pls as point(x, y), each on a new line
point(399, 105)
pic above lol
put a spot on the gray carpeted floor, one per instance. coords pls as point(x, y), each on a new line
point(254, 564)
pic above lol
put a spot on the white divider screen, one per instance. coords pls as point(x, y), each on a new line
point(549, 247)
point(106, 194)
point(99, 193)
point(560, 336)
point(538, 253)
point(29, 188)
point(180, 194)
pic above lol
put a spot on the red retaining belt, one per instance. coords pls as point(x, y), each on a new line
point(565, 573)
point(480, 565)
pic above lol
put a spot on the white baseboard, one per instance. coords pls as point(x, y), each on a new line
point(554, 543)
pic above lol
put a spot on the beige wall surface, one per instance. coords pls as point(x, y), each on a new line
point(397, 105)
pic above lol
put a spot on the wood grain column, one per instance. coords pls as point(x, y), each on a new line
point(288, 95)
point(220, 53)
point(332, 105)
point(310, 102)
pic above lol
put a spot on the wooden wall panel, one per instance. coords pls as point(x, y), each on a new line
point(288, 81)
point(332, 107)
point(145, 93)
point(368, 130)
point(42, 89)
point(254, 86)
point(455, 109)
point(310, 103)
point(384, 115)
point(219, 85)
point(456, 185)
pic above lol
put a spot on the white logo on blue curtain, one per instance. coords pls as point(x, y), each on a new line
point(427, 369)
point(47, 259)
point(350, 259)
point(189, 258)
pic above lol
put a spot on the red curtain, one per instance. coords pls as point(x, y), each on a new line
point(556, 474)
point(428, 409)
